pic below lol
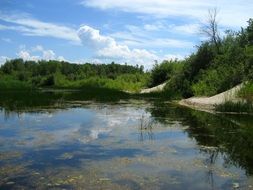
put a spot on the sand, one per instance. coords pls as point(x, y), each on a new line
point(210, 102)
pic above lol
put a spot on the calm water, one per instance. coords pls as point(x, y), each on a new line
point(70, 140)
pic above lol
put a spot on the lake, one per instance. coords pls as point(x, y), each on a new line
point(78, 140)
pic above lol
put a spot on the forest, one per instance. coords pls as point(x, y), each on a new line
point(20, 74)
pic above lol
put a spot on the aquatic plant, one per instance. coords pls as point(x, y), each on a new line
point(146, 123)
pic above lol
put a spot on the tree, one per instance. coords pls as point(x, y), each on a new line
point(211, 28)
point(249, 31)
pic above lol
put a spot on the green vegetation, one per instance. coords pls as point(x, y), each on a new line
point(247, 91)
point(218, 65)
point(243, 106)
point(215, 66)
point(9, 82)
point(20, 74)
point(238, 107)
point(231, 134)
point(164, 71)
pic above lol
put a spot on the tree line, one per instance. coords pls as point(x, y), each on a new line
point(52, 73)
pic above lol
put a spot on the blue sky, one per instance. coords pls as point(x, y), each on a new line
point(132, 31)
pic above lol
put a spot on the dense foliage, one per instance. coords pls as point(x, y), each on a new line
point(209, 71)
point(19, 73)
point(164, 71)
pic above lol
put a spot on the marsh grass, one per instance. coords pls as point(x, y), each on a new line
point(146, 128)
point(146, 123)
point(238, 107)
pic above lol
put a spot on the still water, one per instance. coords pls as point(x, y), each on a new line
point(68, 140)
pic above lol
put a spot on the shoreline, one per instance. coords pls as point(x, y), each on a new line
point(208, 104)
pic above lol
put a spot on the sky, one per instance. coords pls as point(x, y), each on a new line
point(102, 31)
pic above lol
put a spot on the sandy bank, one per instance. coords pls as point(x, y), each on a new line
point(208, 103)
point(154, 89)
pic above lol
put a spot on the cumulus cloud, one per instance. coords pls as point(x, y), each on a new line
point(25, 55)
point(107, 48)
point(48, 54)
point(92, 38)
point(3, 59)
point(41, 54)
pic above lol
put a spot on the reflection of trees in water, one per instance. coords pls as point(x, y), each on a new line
point(18, 102)
point(232, 133)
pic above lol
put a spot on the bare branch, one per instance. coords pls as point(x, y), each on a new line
point(210, 29)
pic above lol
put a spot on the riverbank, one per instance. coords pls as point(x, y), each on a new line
point(209, 103)
point(158, 88)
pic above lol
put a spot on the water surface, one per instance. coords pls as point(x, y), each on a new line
point(70, 140)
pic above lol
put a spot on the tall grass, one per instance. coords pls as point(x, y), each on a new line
point(9, 83)
point(126, 82)
point(247, 91)
point(238, 107)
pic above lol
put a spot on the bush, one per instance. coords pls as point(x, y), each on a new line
point(164, 71)
point(247, 91)
point(8, 82)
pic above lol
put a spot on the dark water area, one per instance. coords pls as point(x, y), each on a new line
point(94, 140)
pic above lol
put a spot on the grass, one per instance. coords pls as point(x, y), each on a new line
point(9, 83)
point(125, 82)
point(247, 91)
point(238, 107)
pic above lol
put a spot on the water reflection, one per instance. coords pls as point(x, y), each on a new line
point(68, 140)
point(231, 134)
point(146, 128)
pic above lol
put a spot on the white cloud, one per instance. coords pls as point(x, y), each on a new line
point(92, 38)
point(174, 56)
point(172, 28)
point(107, 48)
point(148, 35)
point(152, 27)
point(168, 43)
point(186, 29)
point(42, 54)
point(33, 27)
point(239, 10)
point(7, 40)
point(3, 59)
point(48, 55)
point(25, 55)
